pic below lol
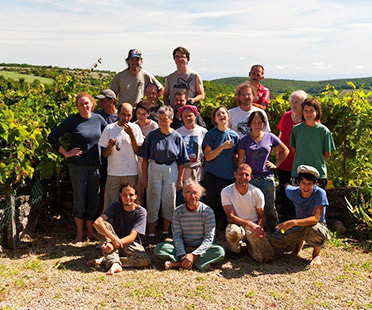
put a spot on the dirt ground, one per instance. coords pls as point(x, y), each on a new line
point(49, 273)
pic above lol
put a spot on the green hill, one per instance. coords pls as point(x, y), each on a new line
point(27, 77)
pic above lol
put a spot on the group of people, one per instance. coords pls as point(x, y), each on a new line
point(151, 160)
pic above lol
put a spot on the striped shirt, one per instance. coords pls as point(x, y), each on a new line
point(193, 228)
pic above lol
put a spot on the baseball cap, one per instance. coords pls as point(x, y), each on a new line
point(107, 93)
point(133, 53)
point(307, 169)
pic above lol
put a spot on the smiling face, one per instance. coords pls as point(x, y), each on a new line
point(179, 101)
point(134, 64)
point(189, 119)
point(142, 115)
point(192, 195)
point(85, 107)
point(164, 121)
point(257, 124)
point(151, 94)
point(180, 59)
point(306, 188)
point(221, 117)
point(256, 75)
point(125, 114)
point(128, 197)
point(246, 98)
point(243, 175)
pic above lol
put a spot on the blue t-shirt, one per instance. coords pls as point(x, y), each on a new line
point(85, 134)
point(305, 206)
point(256, 154)
point(124, 222)
point(164, 149)
point(109, 118)
point(223, 166)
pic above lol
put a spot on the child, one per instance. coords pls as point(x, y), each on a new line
point(309, 225)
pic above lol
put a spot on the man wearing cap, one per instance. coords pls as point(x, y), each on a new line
point(107, 101)
point(120, 142)
point(130, 84)
point(179, 102)
point(309, 225)
point(183, 78)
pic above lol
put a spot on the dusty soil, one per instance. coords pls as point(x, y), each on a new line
point(49, 273)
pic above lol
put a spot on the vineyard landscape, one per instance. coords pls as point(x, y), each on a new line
point(34, 99)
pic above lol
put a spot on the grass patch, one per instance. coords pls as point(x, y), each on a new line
point(33, 264)
point(28, 78)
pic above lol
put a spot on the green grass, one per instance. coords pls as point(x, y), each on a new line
point(28, 78)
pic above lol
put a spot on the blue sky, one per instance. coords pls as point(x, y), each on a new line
point(312, 40)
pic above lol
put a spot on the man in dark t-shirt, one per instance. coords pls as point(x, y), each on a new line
point(121, 242)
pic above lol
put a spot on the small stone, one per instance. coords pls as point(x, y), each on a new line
point(339, 227)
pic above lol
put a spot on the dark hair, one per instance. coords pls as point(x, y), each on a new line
point(215, 110)
point(181, 92)
point(307, 176)
point(141, 105)
point(121, 104)
point(129, 184)
point(253, 114)
point(311, 102)
point(183, 50)
point(257, 66)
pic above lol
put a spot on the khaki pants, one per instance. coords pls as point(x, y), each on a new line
point(258, 248)
point(132, 255)
point(113, 185)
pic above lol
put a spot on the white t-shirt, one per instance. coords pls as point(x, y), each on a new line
point(239, 120)
point(122, 161)
point(193, 140)
point(244, 205)
point(149, 127)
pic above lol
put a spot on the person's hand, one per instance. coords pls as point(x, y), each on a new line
point(270, 165)
point(128, 130)
point(228, 144)
point(107, 247)
point(179, 184)
point(258, 231)
point(283, 227)
point(111, 143)
point(74, 152)
point(188, 260)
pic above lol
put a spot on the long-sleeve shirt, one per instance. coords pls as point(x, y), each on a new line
point(193, 228)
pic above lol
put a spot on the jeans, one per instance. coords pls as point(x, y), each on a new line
point(85, 185)
point(267, 186)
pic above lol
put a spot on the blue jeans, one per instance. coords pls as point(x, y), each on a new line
point(267, 186)
point(85, 185)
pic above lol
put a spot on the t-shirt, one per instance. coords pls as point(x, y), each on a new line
point(305, 206)
point(257, 153)
point(164, 149)
point(311, 143)
point(178, 82)
point(263, 95)
point(131, 87)
point(285, 127)
point(223, 166)
point(245, 206)
point(193, 228)
point(193, 140)
point(124, 222)
point(109, 118)
point(239, 120)
point(85, 134)
point(122, 161)
point(149, 127)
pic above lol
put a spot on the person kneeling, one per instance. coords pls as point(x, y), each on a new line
point(193, 229)
point(309, 225)
point(121, 242)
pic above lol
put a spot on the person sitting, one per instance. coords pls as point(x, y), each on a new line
point(120, 242)
point(244, 207)
point(309, 225)
point(193, 228)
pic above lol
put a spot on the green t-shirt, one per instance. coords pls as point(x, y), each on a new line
point(311, 143)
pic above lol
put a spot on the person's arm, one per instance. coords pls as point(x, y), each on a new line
point(166, 93)
point(100, 227)
point(327, 155)
point(160, 92)
point(115, 84)
point(209, 223)
point(199, 90)
point(106, 151)
point(261, 217)
point(212, 154)
point(177, 235)
point(309, 221)
point(132, 137)
point(144, 172)
point(283, 152)
point(181, 172)
point(261, 106)
point(241, 157)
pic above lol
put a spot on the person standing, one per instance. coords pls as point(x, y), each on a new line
point(256, 75)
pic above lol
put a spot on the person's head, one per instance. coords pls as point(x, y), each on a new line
point(192, 191)
point(85, 104)
point(128, 195)
point(296, 99)
point(311, 110)
point(142, 111)
point(106, 99)
point(125, 113)
point(165, 116)
point(189, 114)
point(134, 60)
point(256, 74)
point(181, 56)
point(220, 115)
point(244, 95)
point(307, 177)
point(243, 175)
point(256, 121)
point(151, 93)
point(180, 99)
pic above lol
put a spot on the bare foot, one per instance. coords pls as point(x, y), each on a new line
point(316, 261)
point(92, 236)
point(115, 268)
point(94, 262)
point(210, 268)
point(77, 240)
point(167, 265)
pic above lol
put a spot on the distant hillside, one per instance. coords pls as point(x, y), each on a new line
point(278, 86)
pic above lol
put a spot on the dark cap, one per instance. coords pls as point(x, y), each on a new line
point(134, 53)
point(107, 93)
